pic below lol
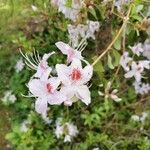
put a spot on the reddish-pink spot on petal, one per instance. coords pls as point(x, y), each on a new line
point(76, 74)
point(49, 88)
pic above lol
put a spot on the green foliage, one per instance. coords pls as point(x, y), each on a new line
point(104, 123)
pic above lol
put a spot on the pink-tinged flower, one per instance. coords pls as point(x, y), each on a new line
point(136, 71)
point(125, 60)
point(146, 48)
point(145, 63)
point(43, 66)
point(74, 79)
point(137, 49)
point(69, 51)
point(19, 65)
point(141, 88)
point(36, 63)
point(70, 10)
point(69, 130)
point(45, 91)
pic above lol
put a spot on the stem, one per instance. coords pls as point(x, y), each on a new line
point(118, 34)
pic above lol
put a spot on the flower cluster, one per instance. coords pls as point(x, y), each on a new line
point(70, 9)
point(69, 130)
point(9, 97)
point(67, 87)
point(19, 65)
point(136, 69)
point(109, 93)
point(139, 118)
point(82, 31)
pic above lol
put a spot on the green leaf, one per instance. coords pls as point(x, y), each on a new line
point(139, 8)
point(110, 65)
point(116, 55)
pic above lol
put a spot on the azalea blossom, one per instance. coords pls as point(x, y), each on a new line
point(141, 88)
point(36, 63)
point(125, 61)
point(120, 3)
point(137, 49)
point(69, 51)
point(74, 79)
point(140, 118)
point(110, 93)
point(24, 126)
point(82, 31)
point(136, 71)
point(146, 47)
point(70, 10)
point(9, 97)
point(45, 90)
point(34, 8)
point(19, 65)
point(69, 130)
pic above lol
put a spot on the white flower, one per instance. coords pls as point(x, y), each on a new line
point(70, 11)
point(46, 120)
point(36, 63)
point(137, 49)
point(140, 118)
point(69, 130)
point(9, 97)
point(24, 126)
point(120, 3)
point(45, 90)
point(144, 116)
point(114, 97)
point(96, 148)
point(125, 60)
point(34, 8)
point(20, 65)
point(136, 70)
point(93, 26)
point(141, 88)
point(74, 79)
point(110, 93)
point(69, 51)
point(135, 117)
point(146, 48)
point(82, 31)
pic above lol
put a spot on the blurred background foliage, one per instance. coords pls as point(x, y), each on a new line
point(103, 124)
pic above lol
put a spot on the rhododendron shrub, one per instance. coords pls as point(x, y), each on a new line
point(78, 75)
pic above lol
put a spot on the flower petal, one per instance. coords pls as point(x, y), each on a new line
point(56, 98)
point(87, 74)
point(63, 73)
point(76, 64)
point(83, 93)
point(54, 82)
point(37, 87)
point(63, 47)
point(41, 106)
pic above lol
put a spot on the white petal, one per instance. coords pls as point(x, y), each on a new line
point(138, 77)
point(37, 87)
point(56, 98)
point(76, 64)
point(84, 94)
point(63, 73)
point(54, 82)
point(87, 74)
point(129, 74)
point(63, 47)
point(41, 106)
point(69, 92)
